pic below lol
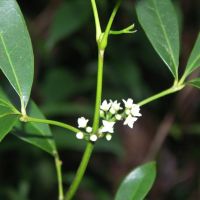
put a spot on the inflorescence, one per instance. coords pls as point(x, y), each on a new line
point(110, 113)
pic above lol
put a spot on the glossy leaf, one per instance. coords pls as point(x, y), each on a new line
point(37, 134)
point(138, 183)
point(195, 83)
point(8, 115)
point(69, 17)
point(7, 121)
point(16, 55)
point(159, 21)
point(4, 101)
point(194, 59)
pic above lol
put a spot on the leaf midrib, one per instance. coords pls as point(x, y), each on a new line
point(165, 34)
point(11, 64)
point(6, 114)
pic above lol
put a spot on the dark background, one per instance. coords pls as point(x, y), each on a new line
point(64, 88)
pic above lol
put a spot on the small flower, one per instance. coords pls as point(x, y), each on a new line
point(130, 121)
point(93, 138)
point(135, 110)
point(115, 105)
point(107, 127)
point(82, 122)
point(105, 106)
point(118, 117)
point(79, 135)
point(108, 137)
point(128, 103)
point(89, 129)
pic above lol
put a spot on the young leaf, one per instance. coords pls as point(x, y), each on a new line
point(37, 134)
point(194, 59)
point(159, 21)
point(69, 17)
point(195, 83)
point(16, 55)
point(138, 183)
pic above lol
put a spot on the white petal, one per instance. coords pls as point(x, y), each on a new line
point(105, 106)
point(115, 105)
point(128, 103)
point(130, 121)
point(107, 126)
point(106, 130)
point(135, 110)
point(93, 138)
point(82, 122)
point(89, 129)
point(79, 135)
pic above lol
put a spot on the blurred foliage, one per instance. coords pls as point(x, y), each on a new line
point(64, 87)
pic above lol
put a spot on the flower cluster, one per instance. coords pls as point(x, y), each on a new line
point(110, 113)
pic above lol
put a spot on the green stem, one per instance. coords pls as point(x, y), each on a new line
point(96, 18)
point(52, 122)
point(171, 90)
point(88, 151)
point(104, 40)
point(58, 164)
point(80, 172)
point(102, 43)
point(98, 90)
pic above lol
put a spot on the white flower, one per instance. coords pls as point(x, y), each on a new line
point(135, 110)
point(79, 135)
point(105, 106)
point(128, 103)
point(108, 137)
point(82, 122)
point(130, 121)
point(93, 138)
point(89, 129)
point(115, 105)
point(107, 127)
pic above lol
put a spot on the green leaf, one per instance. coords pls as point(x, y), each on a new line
point(138, 183)
point(159, 21)
point(8, 115)
point(69, 17)
point(16, 55)
point(194, 59)
point(7, 121)
point(37, 134)
point(4, 101)
point(195, 83)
